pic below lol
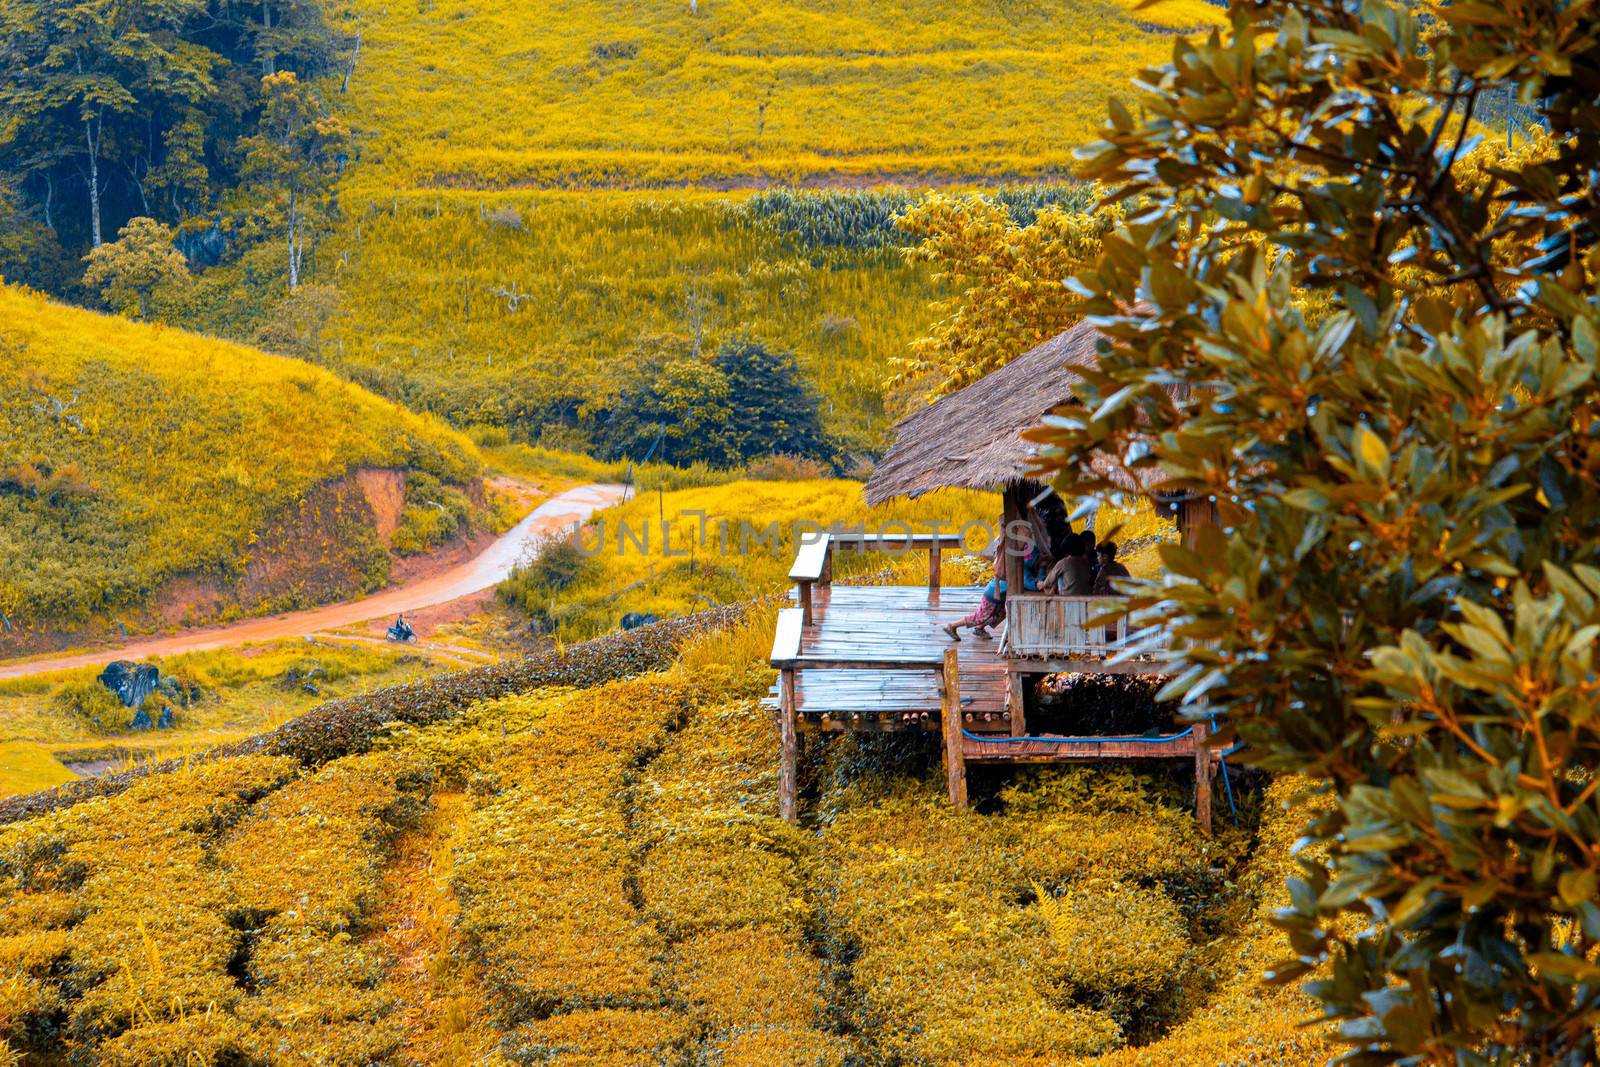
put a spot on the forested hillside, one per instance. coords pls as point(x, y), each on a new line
point(132, 454)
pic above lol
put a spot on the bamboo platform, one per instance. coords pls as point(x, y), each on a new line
point(892, 637)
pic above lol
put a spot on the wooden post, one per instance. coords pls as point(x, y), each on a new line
point(827, 567)
point(934, 557)
point(789, 767)
point(1016, 703)
point(805, 601)
point(1202, 778)
point(1010, 511)
point(1192, 515)
point(955, 760)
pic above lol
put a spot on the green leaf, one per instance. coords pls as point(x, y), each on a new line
point(1371, 452)
point(1576, 886)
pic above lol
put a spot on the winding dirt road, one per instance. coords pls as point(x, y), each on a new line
point(483, 571)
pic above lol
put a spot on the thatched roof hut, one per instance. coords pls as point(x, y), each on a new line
point(972, 439)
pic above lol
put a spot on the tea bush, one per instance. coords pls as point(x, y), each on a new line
point(350, 725)
point(1244, 1021)
point(963, 928)
point(543, 878)
point(722, 880)
point(207, 912)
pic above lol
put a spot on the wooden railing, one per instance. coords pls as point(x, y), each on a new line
point(1063, 627)
point(813, 561)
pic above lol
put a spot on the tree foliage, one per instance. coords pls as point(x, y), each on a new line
point(1374, 343)
point(141, 265)
point(293, 157)
point(1008, 281)
point(744, 402)
point(108, 112)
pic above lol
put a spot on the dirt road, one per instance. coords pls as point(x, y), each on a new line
point(481, 572)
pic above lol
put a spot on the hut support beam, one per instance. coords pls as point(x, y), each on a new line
point(789, 768)
point(955, 759)
point(1016, 703)
point(1202, 779)
point(1010, 512)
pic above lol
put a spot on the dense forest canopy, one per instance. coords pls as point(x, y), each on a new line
point(140, 108)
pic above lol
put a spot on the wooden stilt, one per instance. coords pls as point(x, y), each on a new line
point(935, 558)
point(1016, 703)
point(789, 767)
point(955, 761)
point(1202, 778)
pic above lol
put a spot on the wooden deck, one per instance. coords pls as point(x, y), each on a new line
point(876, 659)
point(884, 632)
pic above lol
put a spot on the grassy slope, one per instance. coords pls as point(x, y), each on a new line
point(469, 108)
point(619, 92)
point(599, 272)
point(184, 449)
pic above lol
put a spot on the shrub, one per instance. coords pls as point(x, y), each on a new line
point(1373, 341)
point(93, 703)
point(434, 513)
point(350, 725)
point(207, 914)
point(1118, 948)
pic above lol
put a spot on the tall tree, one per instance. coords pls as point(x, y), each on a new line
point(1375, 344)
point(773, 409)
point(97, 69)
point(293, 157)
point(1008, 283)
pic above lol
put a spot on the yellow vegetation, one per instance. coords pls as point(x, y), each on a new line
point(513, 307)
point(190, 920)
point(130, 454)
point(611, 93)
point(535, 192)
point(621, 892)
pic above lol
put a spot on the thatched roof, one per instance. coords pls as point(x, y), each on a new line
point(972, 439)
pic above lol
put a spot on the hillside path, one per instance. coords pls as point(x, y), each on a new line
point(483, 571)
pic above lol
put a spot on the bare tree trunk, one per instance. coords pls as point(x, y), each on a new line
point(91, 137)
point(133, 175)
point(268, 60)
point(49, 198)
point(350, 67)
point(294, 241)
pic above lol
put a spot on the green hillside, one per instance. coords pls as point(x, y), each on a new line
point(132, 454)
